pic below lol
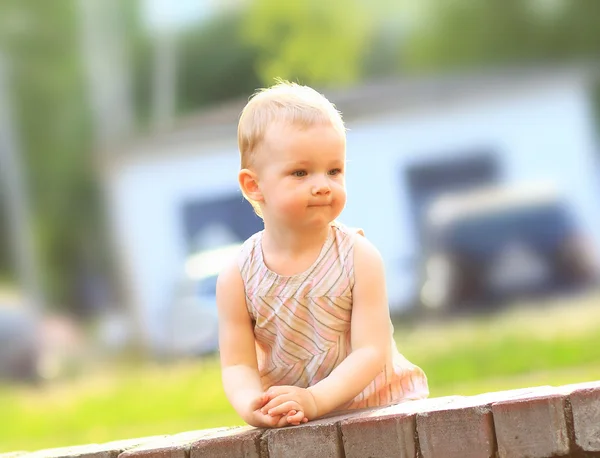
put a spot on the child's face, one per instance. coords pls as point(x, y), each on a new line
point(301, 175)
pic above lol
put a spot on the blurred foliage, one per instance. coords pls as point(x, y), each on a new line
point(51, 118)
point(215, 63)
point(313, 41)
point(465, 33)
point(5, 253)
point(42, 41)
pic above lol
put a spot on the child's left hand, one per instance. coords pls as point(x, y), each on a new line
point(283, 399)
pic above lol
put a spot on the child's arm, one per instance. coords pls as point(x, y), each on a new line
point(241, 380)
point(371, 344)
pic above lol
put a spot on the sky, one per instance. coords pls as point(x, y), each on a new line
point(168, 13)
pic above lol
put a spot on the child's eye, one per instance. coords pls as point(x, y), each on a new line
point(299, 173)
point(335, 171)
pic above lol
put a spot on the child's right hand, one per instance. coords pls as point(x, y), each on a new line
point(285, 399)
point(293, 409)
point(295, 418)
point(264, 420)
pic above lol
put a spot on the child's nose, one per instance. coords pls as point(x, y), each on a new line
point(321, 186)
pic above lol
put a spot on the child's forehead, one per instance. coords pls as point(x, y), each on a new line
point(297, 144)
point(291, 131)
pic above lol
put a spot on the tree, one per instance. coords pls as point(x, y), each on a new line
point(5, 255)
point(467, 33)
point(314, 41)
point(215, 63)
point(53, 125)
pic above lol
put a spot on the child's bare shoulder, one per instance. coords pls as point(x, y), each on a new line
point(230, 281)
point(362, 245)
point(229, 274)
point(365, 251)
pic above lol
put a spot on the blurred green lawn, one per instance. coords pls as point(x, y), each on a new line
point(553, 343)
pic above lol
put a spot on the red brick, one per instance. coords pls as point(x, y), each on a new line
point(463, 428)
point(315, 439)
point(385, 432)
point(533, 425)
point(459, 430)
point(585, 404)
point(231, 443)
point(176, 446)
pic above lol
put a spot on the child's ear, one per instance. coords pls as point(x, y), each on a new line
point(249, 185)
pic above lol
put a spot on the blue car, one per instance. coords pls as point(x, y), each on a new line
point(488, 247)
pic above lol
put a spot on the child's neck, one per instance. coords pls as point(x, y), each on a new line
point(294, 241)
point(289, 252)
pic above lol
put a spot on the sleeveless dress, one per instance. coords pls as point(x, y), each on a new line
point(302, 323)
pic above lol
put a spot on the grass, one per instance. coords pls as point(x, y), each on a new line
point(548, 344)
point(519, 343)
point(114, 404)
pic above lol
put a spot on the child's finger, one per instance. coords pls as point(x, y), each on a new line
point(264, 399)
point(296, 417)
point(277, 401)
point(268, 421)
point(282, 422)
point(284, 408)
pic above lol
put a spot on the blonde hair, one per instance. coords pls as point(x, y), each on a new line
point(286, 102)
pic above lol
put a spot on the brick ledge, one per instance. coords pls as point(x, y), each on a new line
point(538, 422)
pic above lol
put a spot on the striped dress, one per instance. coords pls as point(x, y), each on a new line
point(302, 323)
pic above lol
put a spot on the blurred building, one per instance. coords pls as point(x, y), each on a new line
point(409, 141)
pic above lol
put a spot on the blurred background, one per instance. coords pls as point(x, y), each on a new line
point(473, 165)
